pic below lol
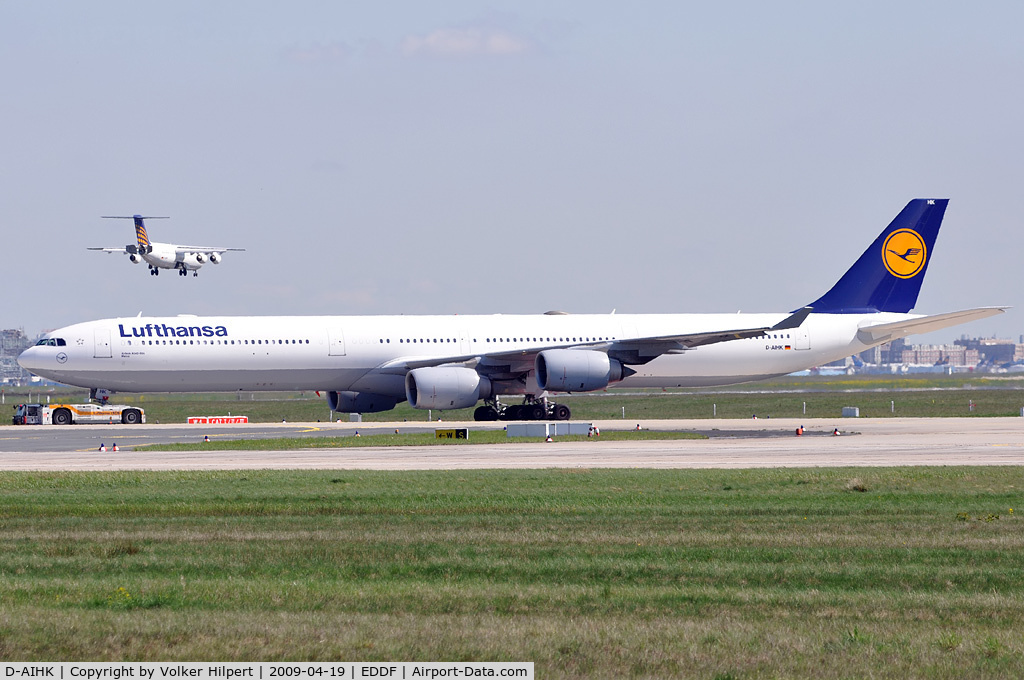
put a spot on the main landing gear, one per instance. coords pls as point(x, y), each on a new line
point(184, 272)
point(154, 271)
point(530, 409)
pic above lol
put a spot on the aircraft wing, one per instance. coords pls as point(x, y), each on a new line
point(884, 332)
point(111, 250)
point(635, 350)
point(181, 250)
point(667, 343)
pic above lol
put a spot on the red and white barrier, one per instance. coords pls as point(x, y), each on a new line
point(217, 420)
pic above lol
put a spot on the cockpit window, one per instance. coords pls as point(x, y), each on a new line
point(52, 342)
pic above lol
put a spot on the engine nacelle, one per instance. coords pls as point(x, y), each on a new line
point(200, 258)
point(360, 402)
point(191, 260)
point(135, 258)
point(577, 370)
point(215, 258)
point(445, 387)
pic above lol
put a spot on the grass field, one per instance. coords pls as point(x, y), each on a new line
point(889, 573)
point(797, 397)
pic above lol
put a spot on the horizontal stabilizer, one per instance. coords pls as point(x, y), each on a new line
point(884, 332)
point(133, 217)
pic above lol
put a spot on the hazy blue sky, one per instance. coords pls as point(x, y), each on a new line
point(465, 157)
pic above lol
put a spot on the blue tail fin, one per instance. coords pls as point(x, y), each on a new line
point(888, 276)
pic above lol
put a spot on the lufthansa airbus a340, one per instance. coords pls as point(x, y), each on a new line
point(371, 363)
point(165, 255)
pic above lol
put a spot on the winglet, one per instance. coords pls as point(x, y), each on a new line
point(794, 320)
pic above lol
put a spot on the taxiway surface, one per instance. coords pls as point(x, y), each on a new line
point(731, 444)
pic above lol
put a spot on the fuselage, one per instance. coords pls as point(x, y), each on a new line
point(169, 256)
point(162, 255)
point(224, 353)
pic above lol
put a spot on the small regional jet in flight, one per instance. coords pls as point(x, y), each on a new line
point(165, 255)
point(367, 364)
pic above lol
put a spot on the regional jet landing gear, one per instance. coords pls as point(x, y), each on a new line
point(531, 409)
point(154, 271)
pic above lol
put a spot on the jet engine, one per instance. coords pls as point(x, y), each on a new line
point(360, 402)
point(135, 258)
point(577, 370)
point(445, 387)
point(215, 258)
point(192, 260)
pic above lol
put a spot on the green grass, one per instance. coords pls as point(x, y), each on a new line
point(590, 573)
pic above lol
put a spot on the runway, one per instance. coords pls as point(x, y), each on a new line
point(881, 442)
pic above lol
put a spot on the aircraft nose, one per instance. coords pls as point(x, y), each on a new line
point(31, 359)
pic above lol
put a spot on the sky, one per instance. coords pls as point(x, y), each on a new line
point(504, 157)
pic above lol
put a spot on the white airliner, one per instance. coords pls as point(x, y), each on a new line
point(369, 364)
point(165, 255)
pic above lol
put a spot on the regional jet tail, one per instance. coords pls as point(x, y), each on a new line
point(165, 255)
point(370, 364)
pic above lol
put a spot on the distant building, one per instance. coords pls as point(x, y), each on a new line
point(994, 350)
point(900, 353)
point(936, 355)
point(888, 353)
point(12, 343)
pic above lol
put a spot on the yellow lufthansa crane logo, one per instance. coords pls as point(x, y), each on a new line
point(904, 253)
